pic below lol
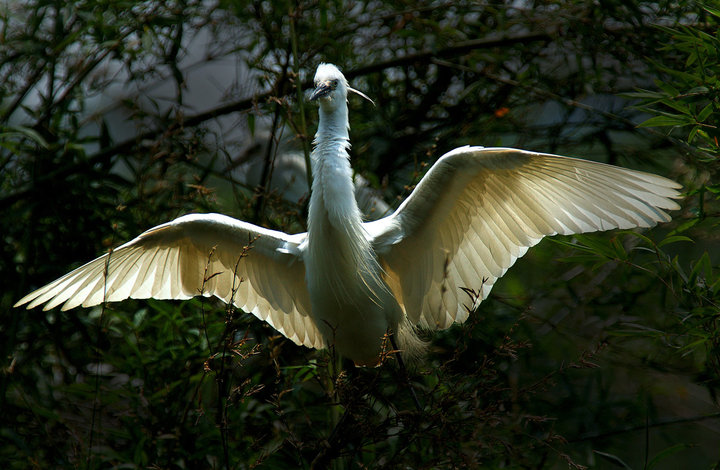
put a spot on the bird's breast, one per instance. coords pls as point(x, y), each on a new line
point(350, 303)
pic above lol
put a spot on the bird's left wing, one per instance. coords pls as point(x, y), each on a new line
point(199, 254)
point(479, 209)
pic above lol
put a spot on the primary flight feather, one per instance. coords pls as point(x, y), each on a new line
point(345, 283)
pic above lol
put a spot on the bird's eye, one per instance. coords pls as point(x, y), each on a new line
point(334, 83)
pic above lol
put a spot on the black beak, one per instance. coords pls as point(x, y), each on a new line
point(323, 89)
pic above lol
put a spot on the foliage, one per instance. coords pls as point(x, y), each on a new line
point(691, 97)
point(594, 350)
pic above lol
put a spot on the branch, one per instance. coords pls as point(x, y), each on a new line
point(640, 427)
point(105, 155)
point(457, 49)
point(247, 103)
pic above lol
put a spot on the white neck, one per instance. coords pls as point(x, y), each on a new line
point(337, 242)
point(334, 123)
point(333, 192)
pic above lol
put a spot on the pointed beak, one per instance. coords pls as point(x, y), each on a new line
point(323, 89)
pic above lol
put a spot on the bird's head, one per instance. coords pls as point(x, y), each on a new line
point(331, 87)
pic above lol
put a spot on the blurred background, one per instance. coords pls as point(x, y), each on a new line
point(598, 351)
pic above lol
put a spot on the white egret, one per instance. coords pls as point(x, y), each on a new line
point(347, 283)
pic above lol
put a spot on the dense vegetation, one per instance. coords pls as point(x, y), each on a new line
point(598, 351)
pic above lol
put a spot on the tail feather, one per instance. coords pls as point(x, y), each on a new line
point(412, 347)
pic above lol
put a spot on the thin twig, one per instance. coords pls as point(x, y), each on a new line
point(246, 104)
point(640, 427)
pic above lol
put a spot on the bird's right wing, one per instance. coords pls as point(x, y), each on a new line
point(479, 209)
point(199, 254)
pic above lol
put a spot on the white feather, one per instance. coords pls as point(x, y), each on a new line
point(346, 283)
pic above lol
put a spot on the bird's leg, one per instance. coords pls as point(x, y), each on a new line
point(404, 371)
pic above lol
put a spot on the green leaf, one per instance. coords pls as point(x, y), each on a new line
point(644, 94)
point(667, 453)
point(618, 247)
point(715, 286)
point(31, 134)
point(675, 239)
point(609, 248)
point(678, 268)
point(702, 267)
point(686, 226)
point(666, 120)
point(642, 237)
point(679, 106)
point(712, 11)
point(596, 246)
point(698, 90)
point(692, 345)
point(713, 188)
point(251, 123)
point(705, 113)
point(667, 88)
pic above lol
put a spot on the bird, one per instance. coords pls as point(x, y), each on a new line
point(346, 283)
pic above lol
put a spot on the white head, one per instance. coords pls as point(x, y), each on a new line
point(331, 87)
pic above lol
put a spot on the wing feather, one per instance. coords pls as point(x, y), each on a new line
point(198, 254)
point(478, 210)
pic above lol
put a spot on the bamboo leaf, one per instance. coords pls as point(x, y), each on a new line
point(705, 113)
point(31, 134)
point(667, 453)
point(666, 120)
point(675, 239)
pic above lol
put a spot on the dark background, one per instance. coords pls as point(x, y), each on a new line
point(600, 351)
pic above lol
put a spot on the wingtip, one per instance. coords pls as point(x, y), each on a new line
point(29, 299)
point(673, 206)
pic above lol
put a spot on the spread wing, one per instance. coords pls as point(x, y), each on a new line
point(193, 255)
point(479, 209)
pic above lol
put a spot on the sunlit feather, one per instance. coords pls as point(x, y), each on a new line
point(346, 283)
